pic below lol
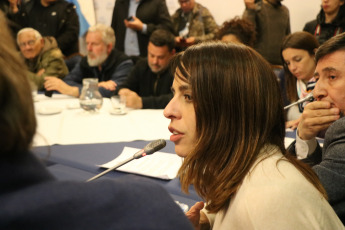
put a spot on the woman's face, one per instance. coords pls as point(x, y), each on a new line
point(331, 6)
point(300, 63)
point(181, 113)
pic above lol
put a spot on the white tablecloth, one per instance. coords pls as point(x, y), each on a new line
point(76, 126)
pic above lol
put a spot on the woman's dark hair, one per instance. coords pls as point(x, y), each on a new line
point(238, 110)
point(243, 29)
point(17, 117)
point(298, 40)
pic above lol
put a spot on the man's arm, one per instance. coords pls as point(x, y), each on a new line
point(132, 80)
point(250, 11)
point(53, 64)
point(317, 116)
point(53, 83)
point(119, 77)
point(331, 170)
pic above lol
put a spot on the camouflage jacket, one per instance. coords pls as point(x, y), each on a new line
point(202, 25)
point(50, 59)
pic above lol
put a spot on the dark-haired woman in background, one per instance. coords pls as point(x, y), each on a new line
point(237, 30)
point(297, 52)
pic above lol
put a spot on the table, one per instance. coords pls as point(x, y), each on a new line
point(79, 141)
point(75, 126)
point(73, 142)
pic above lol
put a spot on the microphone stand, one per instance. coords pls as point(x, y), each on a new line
point(309, 97)
point(111, 169)
point(148, 149)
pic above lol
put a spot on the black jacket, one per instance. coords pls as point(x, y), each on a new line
point(154, 13)
point(31, 198)
point(58, 20)
point(324, 31)
point(116, 68)
point(154, 89)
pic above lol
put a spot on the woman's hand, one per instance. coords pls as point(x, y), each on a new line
point(197, 217)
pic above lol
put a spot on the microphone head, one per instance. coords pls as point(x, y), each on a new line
point(154, 146)
point(310, 96)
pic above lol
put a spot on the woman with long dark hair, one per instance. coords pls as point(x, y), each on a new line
point(298, 53)
point(227, 121)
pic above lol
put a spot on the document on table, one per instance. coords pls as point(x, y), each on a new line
point(159, 165)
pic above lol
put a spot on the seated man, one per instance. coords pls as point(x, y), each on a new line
point(109, 65)
point(32, 198)
point(327, 112)
point(148, 86)
point(42, 56)
point(56, 18)
point(193, 23)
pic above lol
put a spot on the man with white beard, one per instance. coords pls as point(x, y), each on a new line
point(103, 62)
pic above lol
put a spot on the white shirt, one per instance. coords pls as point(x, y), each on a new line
point(275, 195)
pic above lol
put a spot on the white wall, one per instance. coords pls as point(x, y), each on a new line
point(301, 11)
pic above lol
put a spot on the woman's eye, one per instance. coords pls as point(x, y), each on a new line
point(187, 97)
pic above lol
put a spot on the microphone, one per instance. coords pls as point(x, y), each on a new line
point(309, 97)
point(150, 148)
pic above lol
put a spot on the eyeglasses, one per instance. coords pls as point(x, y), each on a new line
point(29, 43)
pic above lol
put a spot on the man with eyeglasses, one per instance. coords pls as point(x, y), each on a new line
point(102, 62)
point(57, 18)
point(41, 55)
point(193, 23)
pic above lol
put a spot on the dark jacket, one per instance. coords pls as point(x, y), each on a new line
point(31, 198)
point(116, 68)
point(154, 13)
point(329, 165)
point(58, 20)
point(154, 89)
point(324, 31)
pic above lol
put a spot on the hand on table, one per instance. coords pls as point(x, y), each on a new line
point(108, 85)
point(54, 83)
point(132, 98)
point(317, 116)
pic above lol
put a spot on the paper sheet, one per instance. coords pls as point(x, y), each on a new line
point(159, 165)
